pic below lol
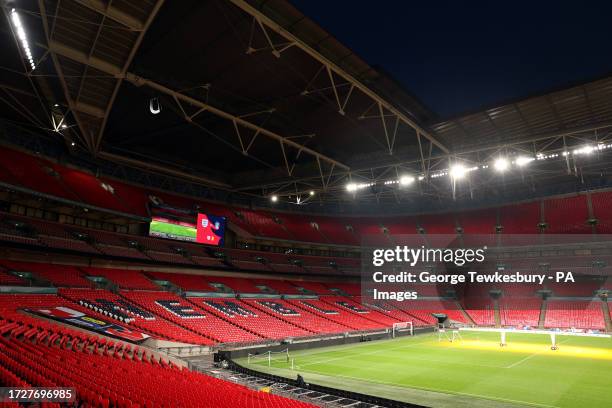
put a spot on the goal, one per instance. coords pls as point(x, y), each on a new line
point(451, 334)
point(270, 357)
point(402, 327)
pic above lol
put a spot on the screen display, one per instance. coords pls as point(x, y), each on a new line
point(172, 229)
point(209, 229)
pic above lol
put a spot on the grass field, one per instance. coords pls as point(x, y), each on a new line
point(164, 229)
point(473, 371)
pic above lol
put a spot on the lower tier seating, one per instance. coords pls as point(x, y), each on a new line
point(574, 313)
point(117, 376)
point(334, 313)
point(243, 314)
point(520, 312)
point(423, 309)
point(113, 305)
point(481, 311)
point(185, 314)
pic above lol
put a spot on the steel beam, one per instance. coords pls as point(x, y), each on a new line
point(443, 157)
point(126, 65)
point(114, 14)
point(271, 24)
point(139, 81)
point(68, 52)
point(163, 170)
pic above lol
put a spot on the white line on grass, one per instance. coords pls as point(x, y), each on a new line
point(384, 350)
point(529, 357)
point(407, 386)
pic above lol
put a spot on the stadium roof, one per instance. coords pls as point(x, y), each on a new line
point(257, 99)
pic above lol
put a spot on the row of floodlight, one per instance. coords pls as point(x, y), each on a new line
point(459, 171)
point(22, 37)
point(502, 164)
point(274, 197)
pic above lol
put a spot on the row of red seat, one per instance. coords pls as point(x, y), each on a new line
point(64, 237)
point(117, 376)
point(578, 314)
point(562, 215)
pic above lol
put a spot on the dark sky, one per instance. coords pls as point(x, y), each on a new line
point(459, 56)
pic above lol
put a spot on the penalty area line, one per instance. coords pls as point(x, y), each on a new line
point(529, 357)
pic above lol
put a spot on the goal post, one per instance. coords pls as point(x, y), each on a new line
point(270, 357)
point(553, 334)
point(402, 327)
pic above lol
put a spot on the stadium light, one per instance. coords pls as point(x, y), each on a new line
point(458, 171)
point(22, 37)
point(501, 164)
point(584, 150)
point(406, 180)
point(351, 187)
point(523, 161)
point(274, 198)
point(312, 192)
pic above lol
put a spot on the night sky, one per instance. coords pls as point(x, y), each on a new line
point(458, 57)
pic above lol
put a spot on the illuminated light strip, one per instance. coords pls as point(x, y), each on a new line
point(22, 37)
point(520, 161)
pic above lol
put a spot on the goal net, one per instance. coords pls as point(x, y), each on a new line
point(270, 357)
point(451, 334)
point(402, 327)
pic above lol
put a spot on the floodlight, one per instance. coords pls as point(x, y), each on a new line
point(406, 180)
point(274, 198)
point(458, 171)
point(351, 187)
point(20, 32)
point(584, 150)
point(501, 164)
point(312, 192)
point(523, 161)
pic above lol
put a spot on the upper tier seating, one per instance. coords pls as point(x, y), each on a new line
point(9, 279)
point(578, 314)
point(124, 278)
point(353, 289)
point(438, 224)
point(563, 215)
point(602, 211)
point(58, 275)
point(478, 222)
point(567, 215)
point(184, 281)
point(313, 287)
point(586, 289)
point(520, 218)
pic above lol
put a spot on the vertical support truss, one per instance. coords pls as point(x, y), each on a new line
point(333, 70)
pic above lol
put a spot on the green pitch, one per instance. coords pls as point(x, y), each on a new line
point(472, 372)
point(172, 229)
